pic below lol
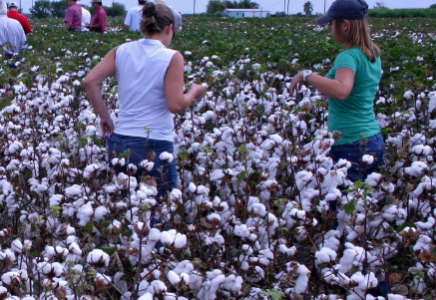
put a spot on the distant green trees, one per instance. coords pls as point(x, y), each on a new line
point(41, 9)
point(58, 8)
point(402, 13)
point(215, 7)
point(308, 8)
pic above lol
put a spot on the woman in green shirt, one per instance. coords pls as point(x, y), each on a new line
point(350, 87)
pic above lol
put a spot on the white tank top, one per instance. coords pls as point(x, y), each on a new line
point(141, 67)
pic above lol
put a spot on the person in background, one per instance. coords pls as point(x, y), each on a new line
point(350, 86)
point(98, 23)
point(150, 91)
point(11, 32)
point(86, 19)
point(177, 16)
point(73, 16)
point(134, 16)
point(14, 14)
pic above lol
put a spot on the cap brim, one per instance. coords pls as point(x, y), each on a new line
point(323, 20)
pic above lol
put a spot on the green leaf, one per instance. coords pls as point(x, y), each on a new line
point(358, 184)
point(109, 250)
point(433, 251)
point(350, 207)
point(104, 223)
point(273, 294)
point(127, 233)
point(88, 227)
point(404, 225)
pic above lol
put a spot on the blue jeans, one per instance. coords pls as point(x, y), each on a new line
point(353, 152)
point(141, 149)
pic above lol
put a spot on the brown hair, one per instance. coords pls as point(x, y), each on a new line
point(359, 35)
point(155, 17)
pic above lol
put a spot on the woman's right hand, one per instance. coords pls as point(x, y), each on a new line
point(198, 91)
point(107, 126)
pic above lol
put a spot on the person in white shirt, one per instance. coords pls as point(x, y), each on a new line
point(86, 19)
point(11, 32)
point(150, 91)
point(177, 16)
point(134, 16)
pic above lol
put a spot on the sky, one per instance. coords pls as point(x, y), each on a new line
point(186, 6)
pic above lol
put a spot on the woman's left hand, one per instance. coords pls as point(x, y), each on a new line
point(296, 83)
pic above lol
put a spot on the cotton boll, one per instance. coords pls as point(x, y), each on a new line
point(185, 278)
point(325, 255)
point(180, 241)
point(146, 296)
point(17, 246)
point(10, 277)
point(166, 157)
point(416, 169)
point(346, 261)
point(368, 159)
point(98, 257)
point(167, 237)
point(100, 213)
point(395, 297)
point(242, 231)
point(373, 179)
point(302, 279)
point(85, 213)
point(173, 278)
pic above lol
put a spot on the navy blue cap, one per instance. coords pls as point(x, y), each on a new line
point(345, 9)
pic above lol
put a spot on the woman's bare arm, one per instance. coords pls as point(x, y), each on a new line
point(174, 82)
point(338, 88)
point(98, 74)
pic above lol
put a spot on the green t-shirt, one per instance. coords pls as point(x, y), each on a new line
point(355, 115)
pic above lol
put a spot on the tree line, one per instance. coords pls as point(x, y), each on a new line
point(215, 7)
point(45, 8)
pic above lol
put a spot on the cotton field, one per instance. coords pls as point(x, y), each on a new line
point(251, 219)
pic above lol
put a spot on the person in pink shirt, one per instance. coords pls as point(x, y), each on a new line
point(98, 23)
point(73, 16)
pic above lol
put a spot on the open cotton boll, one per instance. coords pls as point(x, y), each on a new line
point(166, 157)
point(373, 179)
point(426, 225)
point(176, 195)
point(100, 213)
point(368, 159)
point(416, 169)
point(146, 296)
point(180, 241)
point(17, 246)
point(74, 190)
point(346, 261)
point(242, 230)
point(302, 279)
point(396, 297)
point(98, 256)
point(214, 217)
point(216, 175)
point(325, 255)
point(173, 277)
point(154, 234)
point(9, 276)
point(85, 213)
point(56, 199)
point(167, 237)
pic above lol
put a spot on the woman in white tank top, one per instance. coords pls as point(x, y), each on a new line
point(150, 90)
